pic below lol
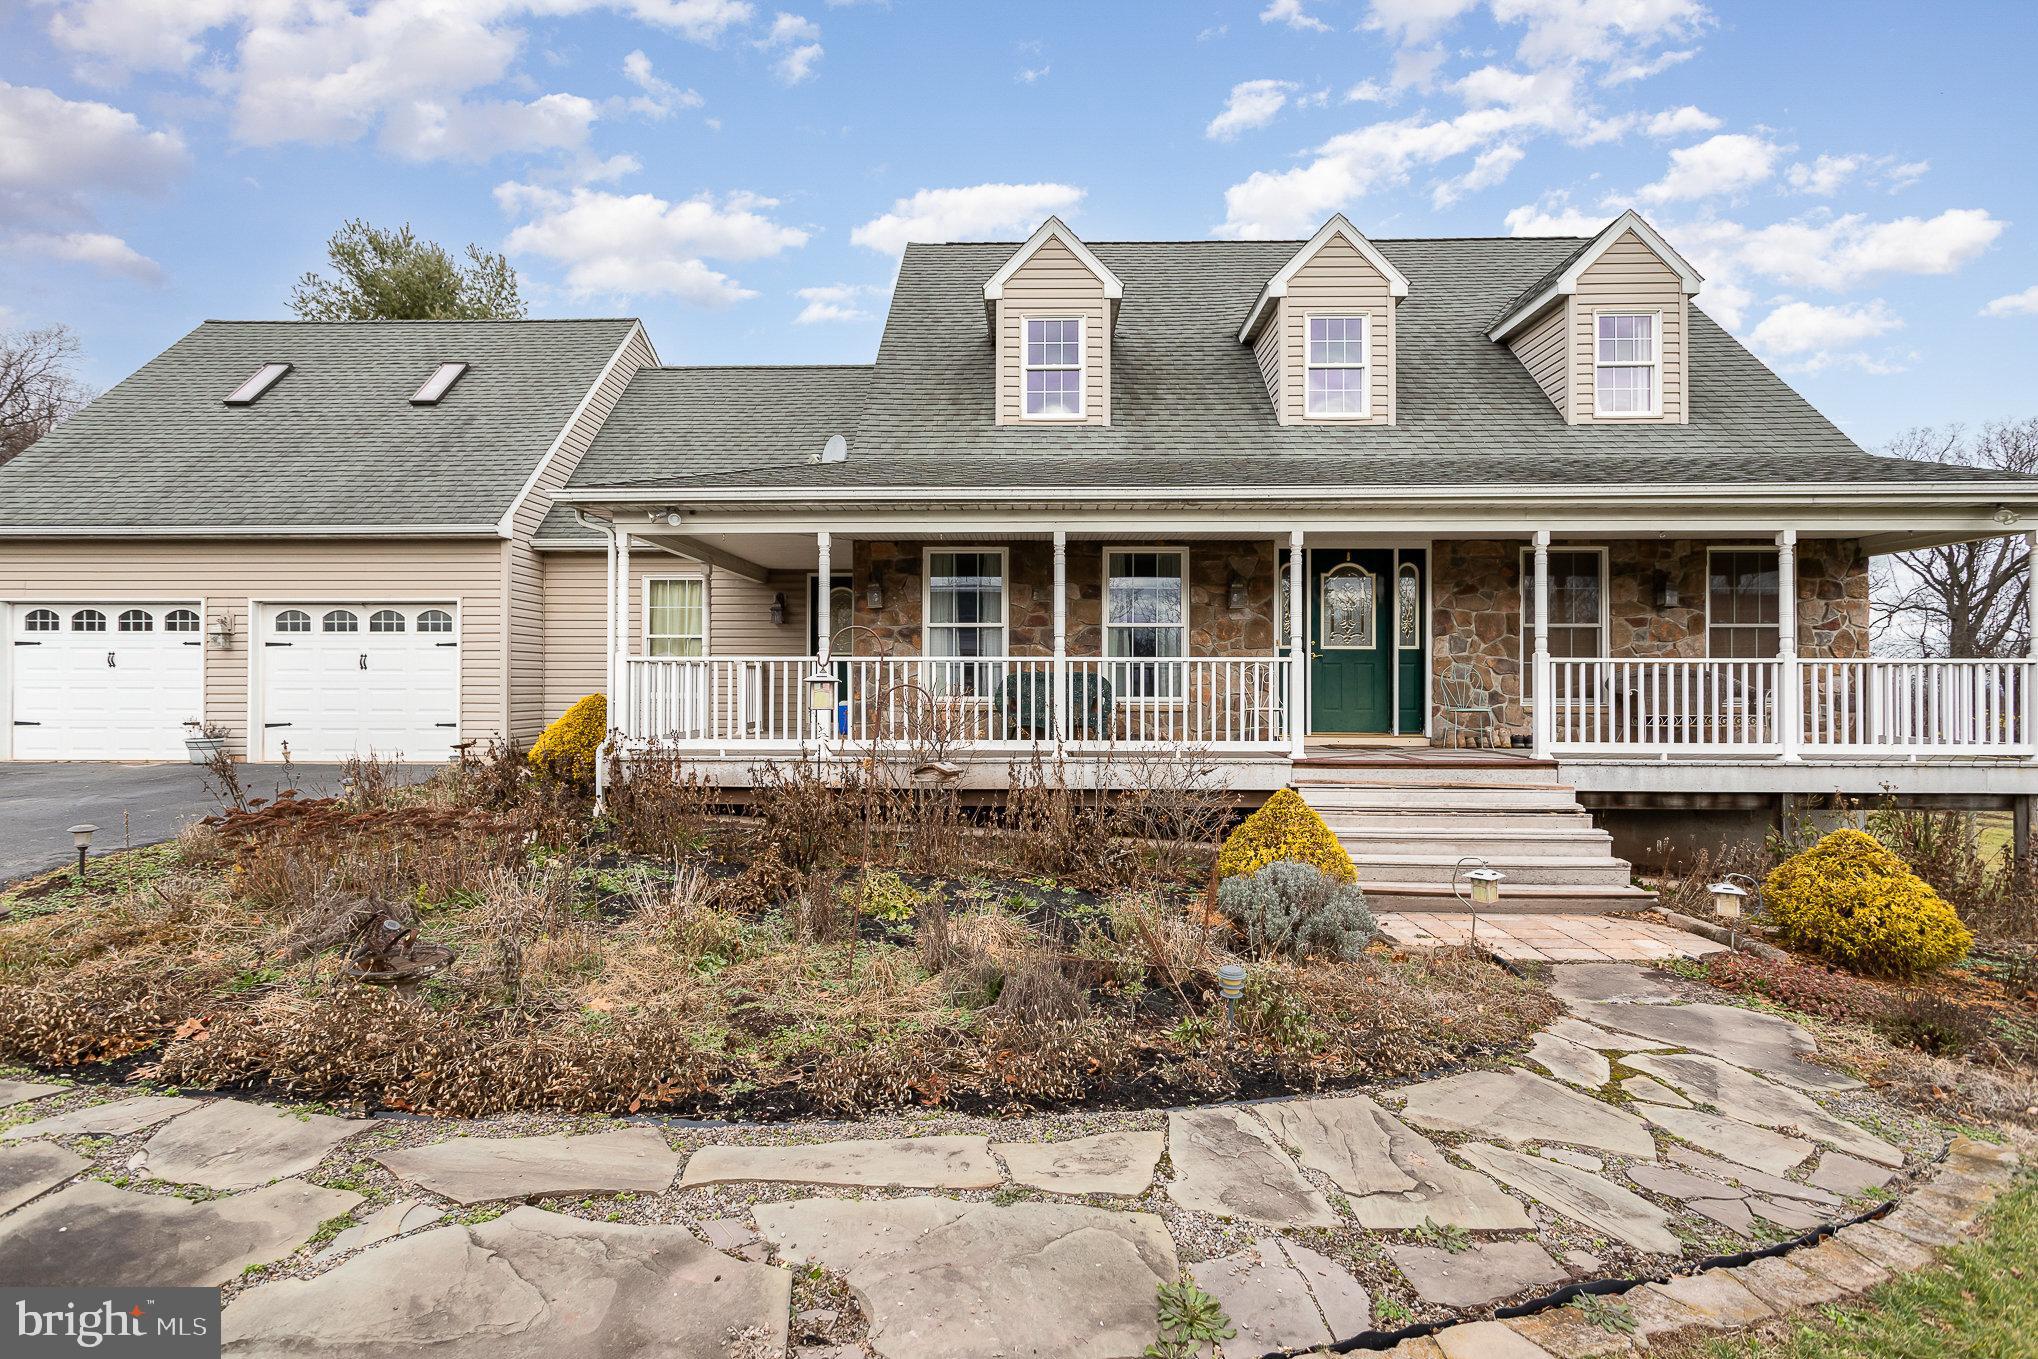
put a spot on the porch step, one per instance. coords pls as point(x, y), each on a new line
point(1343, 819)
point(1459, 797)
point(1366, 843)
point(1408, 773)
point(1552, 870)
point(1515, 899)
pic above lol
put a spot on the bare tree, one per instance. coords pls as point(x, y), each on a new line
point(38, 390)
point(1964, 599)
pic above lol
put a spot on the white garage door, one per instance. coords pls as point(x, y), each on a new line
point(359, 679)
point(105, 681)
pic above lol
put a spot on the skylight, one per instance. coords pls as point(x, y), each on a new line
point(438, 384)
point(264, 378)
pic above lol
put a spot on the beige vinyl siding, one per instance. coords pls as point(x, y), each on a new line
point(529, 692)
point(1267, 352)
point(1337, 279)
point(1053, 282)
point(1542, 351)
point(1628, 277)
point(226, 574)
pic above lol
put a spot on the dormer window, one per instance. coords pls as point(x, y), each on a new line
point(438, 384)
point(1054, 368)
point(1626, 380)
point(261, 381)
point(1339, 360)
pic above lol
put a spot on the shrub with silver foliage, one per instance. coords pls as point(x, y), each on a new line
point(1296, 910)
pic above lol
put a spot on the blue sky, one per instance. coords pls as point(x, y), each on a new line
point(1852, 178)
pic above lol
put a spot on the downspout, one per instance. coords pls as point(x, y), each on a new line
point(607, 528)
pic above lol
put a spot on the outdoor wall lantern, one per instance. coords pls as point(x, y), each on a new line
point(1666, 591)
point(1231, 988)
point(220, 636)
point(1235, 592)
point(874, 595)
point(1728, 897)
point(778, 609)
point(81, 840)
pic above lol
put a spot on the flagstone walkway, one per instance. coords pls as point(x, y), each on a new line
point(1549, 938)
point(1649, 1129)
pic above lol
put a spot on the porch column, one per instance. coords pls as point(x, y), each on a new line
point(619, 696)
point(2027, 691)
point(824, 575)
point(608, 686)
point(1058, 669)
point(1298, 659)
point(1541, 717)
point(1790, 686)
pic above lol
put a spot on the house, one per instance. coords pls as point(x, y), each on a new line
point(1435, 528)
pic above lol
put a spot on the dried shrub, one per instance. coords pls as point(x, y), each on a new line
point(1995, 896)
point(568, 748)
point(1037, 989)
point(1285, 827)
point(1849, 899)
point(371, 781)
point(1806, 988)
point(801, 814)
point(656, 805)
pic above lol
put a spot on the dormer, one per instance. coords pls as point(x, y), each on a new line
point(1604, 333)
point(1323, 331)
point(1051, 310)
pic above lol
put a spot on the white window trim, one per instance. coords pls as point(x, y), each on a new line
point(644, 612)
point(1769, 548)
point(1105, 625)
point(1528, 595)
point(927, 623)
point(1365, 320)
point(1655, 365)
point(1081, 368)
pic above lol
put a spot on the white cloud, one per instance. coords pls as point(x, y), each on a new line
point(1902, 176)
point(481, 129)
point(94, 248)
point(1368, 92)
point(54, 151)
point(836, 302)
point(797, 40)
point(1841, 252)
point(975, 212)
point(1410, 21)
point(1253, 103)
point(1642, 70)
point(1291, 13)
point(1825, 176)
point(640, 245)
point(2014, 304)
point(1030, 75)
point(1554, 217)
point(1727, 164)
point(1571, 31)
point(1796, 328)
point(660, 96)
point(1682, 122)
point(1488, 169)
point(1415, 68)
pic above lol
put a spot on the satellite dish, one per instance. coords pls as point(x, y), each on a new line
point(835, 450)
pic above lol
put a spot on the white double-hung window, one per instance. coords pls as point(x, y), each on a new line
point(1146, 621)
point(1340, 359)
point(1626, 364)
point(965, 618)
point(676, 616)
point(1053, 368)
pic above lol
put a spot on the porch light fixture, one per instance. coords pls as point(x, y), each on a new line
point(2006, 516)
point(1231, 988)
point(669, 516)
point(1235, 592)
point(81, 840)
point(1666, 592)
point(1728, 899)
point(778, 609)
point(821, 689)
point(874, 595)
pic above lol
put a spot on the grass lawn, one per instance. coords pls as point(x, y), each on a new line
point(1982, 1304)
point(1992, 832)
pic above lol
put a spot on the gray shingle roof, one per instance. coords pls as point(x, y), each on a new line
point(335, 443)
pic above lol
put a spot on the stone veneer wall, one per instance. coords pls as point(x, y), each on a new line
point(1476, 628)
point(1215, 629)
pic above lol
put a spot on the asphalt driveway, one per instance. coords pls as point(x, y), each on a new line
point(132, 804)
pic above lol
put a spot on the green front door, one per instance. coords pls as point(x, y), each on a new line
point(1351, 640)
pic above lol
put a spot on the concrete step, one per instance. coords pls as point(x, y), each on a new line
point(1515, 899)
point(1446, 798)
point(1366, 843)
point(1513, 773)
point(1520, 869)
point(1341, 819)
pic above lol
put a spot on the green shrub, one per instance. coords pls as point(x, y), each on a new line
point(1849, 899)
point(886, 896)
point(569, 747)
point(1296, 910)
point(1285, 827)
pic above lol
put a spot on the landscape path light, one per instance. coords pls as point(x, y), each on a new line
point(1483, 887)
point(81, 839)
point(1728, 899)
point(1231, 988)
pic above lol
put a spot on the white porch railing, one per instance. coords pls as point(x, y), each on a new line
point(1786, 708)
point(1222, 703)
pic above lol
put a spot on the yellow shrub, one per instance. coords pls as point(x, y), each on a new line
point(1849, 899)
point(1286, 827)
point(570, 745)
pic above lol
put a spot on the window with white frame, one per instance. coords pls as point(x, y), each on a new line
point(1626, 363)
point(1054, 368)
point(965, 616)
point(1577, 607)
point(1146, 620)
point(1339, 361)
point(1742, 604)
point(676, 616)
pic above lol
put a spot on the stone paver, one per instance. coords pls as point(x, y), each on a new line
point(1755, 1147)
point(1733, 1214)
point(527, 1285)
point(91, 1232)
point(233, 1145)
point(389, 1221)
point(1778, 1281)
point(1601, 1040)
point(21, 1092)
point(1649, 1090)
point(1750, 1178)
point(1754, 1100)
point(1478, 1275)
point(1109, 1163)
point(1275, 1303)
point(115, 1118)
point(1547, 938)
point(486, 1169)
point(1226, 1162)
point(1569, 1061)
point(1576, 1159)
point(907, 1162)
point(1487, 1340)
point(1522, 1107)
point(1715, 1296)
point(1792, 1216)
point(32, 1169)
point(1442, 1193)
point(1747, 1038)
point(1579, 1194)
point(1840, 1264)
point(941, 1279)
point(1564, 1331)
point(1602, 982)
point(1679, 1184)
point(1347, 1140)
point(1848, 1176)
point(1893, 1251)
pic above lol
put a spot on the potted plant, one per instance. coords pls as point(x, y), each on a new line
point(207, 741)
